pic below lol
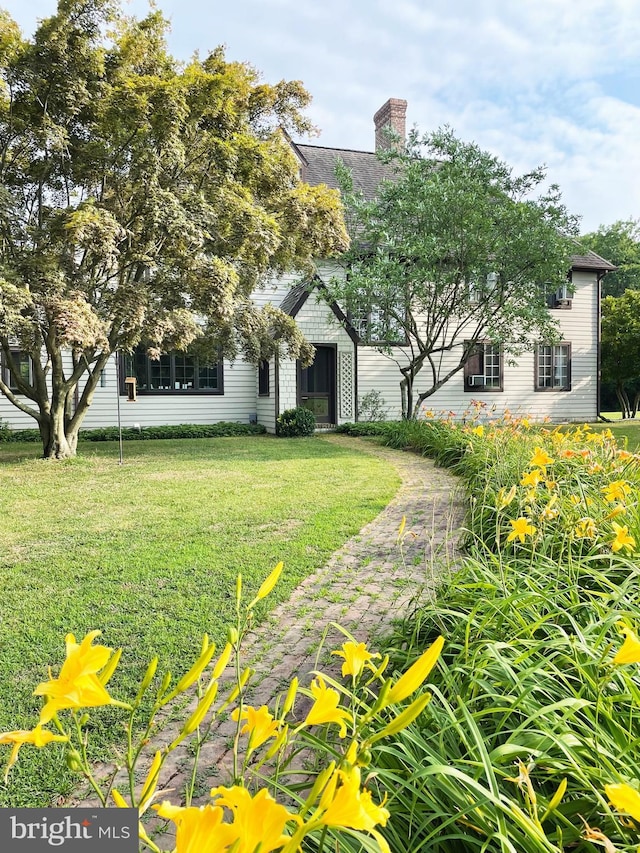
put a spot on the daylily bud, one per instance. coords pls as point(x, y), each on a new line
point(278, 742)
point(110, 668)
point(416, 674)
point(318, 786)
point(148, 678)
point(232, 635)
point(222, 662)
point(166, 681)
point(267, 585)
point(203, 706)
point(196, 670)
point(404, 719)
point(290, 697)
point(73, 760)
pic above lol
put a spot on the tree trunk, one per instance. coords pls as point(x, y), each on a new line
point(623, 399)
point(406, 395)
point(57, 441)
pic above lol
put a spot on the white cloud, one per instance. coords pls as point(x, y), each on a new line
point(549, 81)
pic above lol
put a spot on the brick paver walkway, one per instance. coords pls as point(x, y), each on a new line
point(364, 586)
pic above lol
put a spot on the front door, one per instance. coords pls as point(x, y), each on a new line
point(317, 385)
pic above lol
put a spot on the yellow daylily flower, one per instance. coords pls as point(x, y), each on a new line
point(550, 512)
point(38, 737)
point(540, 458)
point(532, 478)
point(585, 529)
point(521, 528)
point(258, 822)
point(199, 830)
point(505, 497)
point(260, 725)
point(346, 805)
point(625, 799)
point(416, 674)
point(356, 657)
point(595, 437)
point(616, 491)
point(619, 509)
point(629, 652)
point(325, 708)
point(623, 539)
point(479, 430)
point(78, 685)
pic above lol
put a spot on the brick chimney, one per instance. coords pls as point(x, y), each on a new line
point(391, 115)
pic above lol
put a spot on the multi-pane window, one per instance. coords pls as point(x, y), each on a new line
point(483, 368)
point(482, 288)
point(553, 368)
point(22, 362)
point(377, 324)
point(175, 372)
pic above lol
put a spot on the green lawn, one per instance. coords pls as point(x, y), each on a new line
point(148, 552)
point(628, 429)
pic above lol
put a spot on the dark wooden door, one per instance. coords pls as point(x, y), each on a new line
point(317, 385)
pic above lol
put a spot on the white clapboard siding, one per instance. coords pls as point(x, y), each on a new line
point(367, 369)
point(377, 372)
point(237, 403)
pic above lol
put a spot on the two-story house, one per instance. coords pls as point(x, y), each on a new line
point(558, 381)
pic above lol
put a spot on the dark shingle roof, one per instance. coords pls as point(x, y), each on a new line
point(318, 167)
point(591, 261)
point(295, 298)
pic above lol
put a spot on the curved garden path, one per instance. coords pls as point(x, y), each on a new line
point(364, 586)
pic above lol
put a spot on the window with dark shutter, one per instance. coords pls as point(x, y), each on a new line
point(483, 370)
point(263, 378)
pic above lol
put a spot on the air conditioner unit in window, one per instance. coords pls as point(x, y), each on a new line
point(562, 303)
point(477, 379)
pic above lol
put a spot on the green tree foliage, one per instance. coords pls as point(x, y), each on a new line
point(141, 201)
point(620, 349)
point(455, 250)
point(620, 244)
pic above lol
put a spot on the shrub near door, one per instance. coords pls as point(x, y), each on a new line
point(296, 422)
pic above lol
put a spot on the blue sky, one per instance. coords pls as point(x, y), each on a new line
point(552, 82)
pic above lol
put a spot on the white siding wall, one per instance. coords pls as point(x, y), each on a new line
point(275, 291)
point(238, 403)
point(375, 372)
point(579, 328)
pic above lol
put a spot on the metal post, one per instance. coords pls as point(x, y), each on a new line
point(118, 405)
